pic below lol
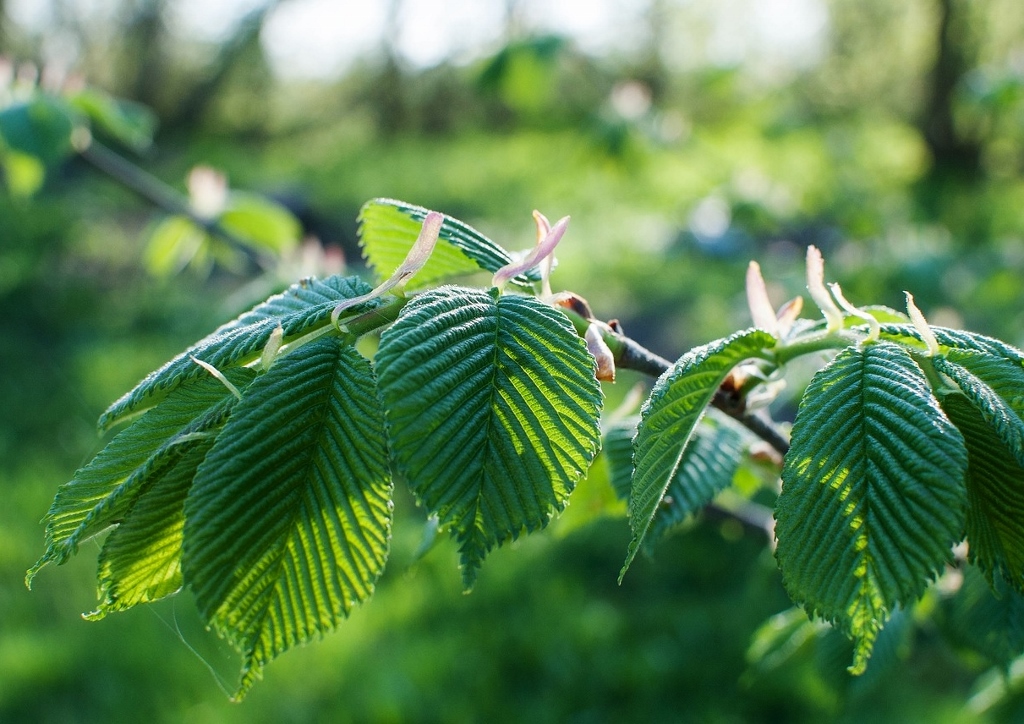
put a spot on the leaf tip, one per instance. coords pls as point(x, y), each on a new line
point(921, 325)
point(634, 547)
point(761, 310)
point(540, 252)
point(818, 292)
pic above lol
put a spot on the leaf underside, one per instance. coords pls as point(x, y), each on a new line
point(389, 228)
point(492, 407)
point(670, 416)
point(873, 493)
point(302, 308)
point(288, 523)
point(707, 468)
point(995, 386)
point(995, 496)
point(952, 340)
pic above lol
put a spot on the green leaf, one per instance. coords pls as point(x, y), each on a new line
point(873, 493)
point(780, 638)
point(708, 466)
point(261, 222)
point(301, 309)
point(670, 416)
point(173, 243)
point(952, 339)
point(493, 409)
point(101, 493)
point(995, 495)
point(288, 522)
point(141, 558)
point(23, 174)
point(39, 127)
point(617, 449)
point(388, 229)
point(130, 123)
point(706, 469)
point(995, 386)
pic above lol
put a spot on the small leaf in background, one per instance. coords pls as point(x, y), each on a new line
point(671, 414)
point(298, 310)
point(173, 245)
point(948, 339)
point(130, 123)
point(288, 523)
point(873, 493)
point(995, 495)
point(389, 228)
point(39, 127)
point(780, 638)
point(492, 406)
point(708, 467)
point(23, 174)
point(986, 616)
point(265, 224)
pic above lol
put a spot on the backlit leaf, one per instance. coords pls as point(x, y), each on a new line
point(670, 416)
point(492, 406)
point(873, 493)
point(103, 491)
point(304, 307)
point(288, 522)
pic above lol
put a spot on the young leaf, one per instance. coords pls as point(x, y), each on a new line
point(288, 522)
point(670, 416)
point(706, 469)
point(302, 308)
point(493, 410)
point(872, 492)
point(141, 558)
point(995, 495)
point(951, 339)
point(389, 228)
point(101, 493)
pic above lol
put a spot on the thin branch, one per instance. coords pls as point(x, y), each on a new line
point(153, 190)
point(631, 355)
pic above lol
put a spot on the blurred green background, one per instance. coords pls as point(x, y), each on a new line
point(685, 137)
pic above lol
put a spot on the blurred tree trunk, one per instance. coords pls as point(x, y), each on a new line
point(392, 108)
point(5, 41)
point(144, 36)
point(953, 153)
point(514, 22)
point(244, 39)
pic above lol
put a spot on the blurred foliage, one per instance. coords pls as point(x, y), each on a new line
point(677, 168)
